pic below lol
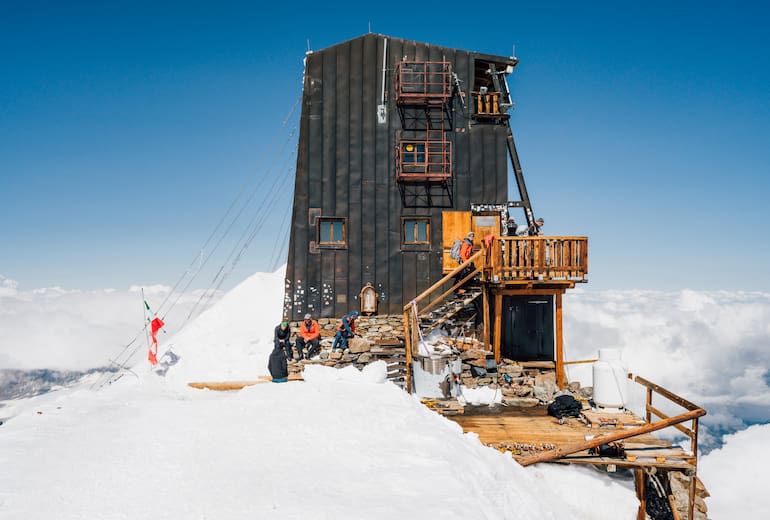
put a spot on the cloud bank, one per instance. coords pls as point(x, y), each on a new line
point(63, 329)
point(736, 473)
point(712, 348)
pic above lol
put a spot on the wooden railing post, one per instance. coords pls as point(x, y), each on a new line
point(408, 349)
point(648, 416)
point(693, 483)
point(561, 379)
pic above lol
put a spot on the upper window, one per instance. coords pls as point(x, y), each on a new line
point(416, 231)
point(413, 153)
point(332, 232)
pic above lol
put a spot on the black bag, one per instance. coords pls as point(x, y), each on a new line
point(565, 406)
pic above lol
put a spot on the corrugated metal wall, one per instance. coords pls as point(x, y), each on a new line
point(346, 168)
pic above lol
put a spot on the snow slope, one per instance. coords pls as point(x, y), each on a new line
point(343, 445)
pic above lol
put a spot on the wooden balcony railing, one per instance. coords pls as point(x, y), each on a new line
point(423, 82)
point(540, 258)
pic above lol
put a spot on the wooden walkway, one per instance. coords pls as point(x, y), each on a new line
point(526, 431)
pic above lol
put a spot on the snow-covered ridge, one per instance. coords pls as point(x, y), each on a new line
point(340, 445)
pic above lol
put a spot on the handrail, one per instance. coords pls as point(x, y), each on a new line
point(451, 274)
point(684, 403)
point(410, 309)
point(604, 439)
point(540, 257)
point(692, 414)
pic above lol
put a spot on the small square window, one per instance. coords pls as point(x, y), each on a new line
point(331, 232)
point(413, 153)
point(416, 231)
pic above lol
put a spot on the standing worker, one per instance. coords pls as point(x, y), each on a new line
point(533, 230)
point(309, 334)
point(466, 248)
point(511, 227)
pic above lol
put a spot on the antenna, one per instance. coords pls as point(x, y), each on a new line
point(513, 51)
point(308, 45)
point(370, 27)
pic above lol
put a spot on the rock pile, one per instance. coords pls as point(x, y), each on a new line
point(385, 327)
point(520, 385)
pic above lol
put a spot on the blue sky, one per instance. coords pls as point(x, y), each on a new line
point(126, 130)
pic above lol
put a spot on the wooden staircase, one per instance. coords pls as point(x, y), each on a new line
point(442, 307)
point(450, 307)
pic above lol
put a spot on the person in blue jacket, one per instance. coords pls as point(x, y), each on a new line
point(345, 330)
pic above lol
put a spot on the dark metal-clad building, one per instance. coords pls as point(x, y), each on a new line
point(394, 135)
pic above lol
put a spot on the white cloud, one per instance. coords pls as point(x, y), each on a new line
point(58, 328)
point(734, 474)
point(711, 347)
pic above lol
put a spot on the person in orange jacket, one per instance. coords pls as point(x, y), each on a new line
point(466, 249)
point(309, 335)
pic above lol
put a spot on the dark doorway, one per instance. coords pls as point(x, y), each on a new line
point(528, 328)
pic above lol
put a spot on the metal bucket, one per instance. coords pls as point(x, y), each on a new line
point(434, 365)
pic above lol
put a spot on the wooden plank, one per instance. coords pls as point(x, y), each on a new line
point(598, 419)
point(534, 425)
point(621, 463)
point(224, 385)
point(444, 406)
point(561, 376)
point(537, 364)
point(389, 343)
point(292, 377)
point(604, 439)
point(580, 361)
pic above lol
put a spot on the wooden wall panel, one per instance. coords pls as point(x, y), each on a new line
point(346, 168)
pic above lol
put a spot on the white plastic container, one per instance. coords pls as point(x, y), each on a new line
point(610, 381)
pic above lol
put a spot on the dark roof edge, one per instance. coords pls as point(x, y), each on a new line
point(506, 60)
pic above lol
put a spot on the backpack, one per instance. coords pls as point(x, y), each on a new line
point(454, 253)
point(565, 406)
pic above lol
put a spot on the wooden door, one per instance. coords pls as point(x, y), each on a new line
point(454, 225)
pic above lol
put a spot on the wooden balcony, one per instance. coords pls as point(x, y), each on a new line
point(540, 259)
point(423, 82)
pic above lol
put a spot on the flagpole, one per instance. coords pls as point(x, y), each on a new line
point(146, 308)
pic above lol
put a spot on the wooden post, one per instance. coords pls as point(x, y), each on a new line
point(648, 415)
point(408, 349)
point(693, 479)
point(498, 323)
point(485, 312)
point(641, 513)
point(561, 376)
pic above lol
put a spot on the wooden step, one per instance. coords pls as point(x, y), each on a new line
point(444, 406)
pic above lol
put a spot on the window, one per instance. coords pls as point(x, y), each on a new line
point(331, 232)
point(413, 153)
point(416, 231)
